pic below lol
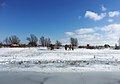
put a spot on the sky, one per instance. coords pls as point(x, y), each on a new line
point(96, 22)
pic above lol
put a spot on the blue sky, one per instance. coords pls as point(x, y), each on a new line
point(62, 19)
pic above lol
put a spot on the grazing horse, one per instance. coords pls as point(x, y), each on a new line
point(51, 47)
point(69, 47)
point(66, 47)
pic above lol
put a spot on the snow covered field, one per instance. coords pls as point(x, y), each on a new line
point(43, 60)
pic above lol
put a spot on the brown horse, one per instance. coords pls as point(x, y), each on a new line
point(69, 47)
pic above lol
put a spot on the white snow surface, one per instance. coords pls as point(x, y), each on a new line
point(58, 60)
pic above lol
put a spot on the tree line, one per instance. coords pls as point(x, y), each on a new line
point(33, 41)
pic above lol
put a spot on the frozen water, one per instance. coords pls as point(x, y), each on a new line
point(60, 78)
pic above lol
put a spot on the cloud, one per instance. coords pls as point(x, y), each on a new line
point(112, 31)
point(94, 16)
point(110, 20)
point(98, 35)
point(99, 16)
point(103, 8)
point(114, 13)
point(69, 33)
point(111, 27)
point(84, 31)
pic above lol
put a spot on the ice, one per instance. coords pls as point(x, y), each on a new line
point(60, 78)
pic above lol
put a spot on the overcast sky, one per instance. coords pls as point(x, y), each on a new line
point(91, 21)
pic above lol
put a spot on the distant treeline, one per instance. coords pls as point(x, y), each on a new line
point(33, 41)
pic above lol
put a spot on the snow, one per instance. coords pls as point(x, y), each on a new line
point(43, 60)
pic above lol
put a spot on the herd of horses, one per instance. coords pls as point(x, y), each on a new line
point(67, 47)
point(50, 46)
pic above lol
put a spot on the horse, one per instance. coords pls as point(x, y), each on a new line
point(69, 47)
point(50, 46)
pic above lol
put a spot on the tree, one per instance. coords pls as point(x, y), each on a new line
point(119, 43)
point(7, 41)
point(73, 41)
point(42, 41)
point(45, 41)
point(58, 44)
point(32, 40)
point(1, 44)
point(12, 40)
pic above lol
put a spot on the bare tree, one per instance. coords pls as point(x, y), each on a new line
point(12, 40)
point(58, 44)
point(119, 43)
point(7, 41)
point(32, 40)
point(1, 44)
point(42, 41)
point(45, 41)
point(74, 41)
